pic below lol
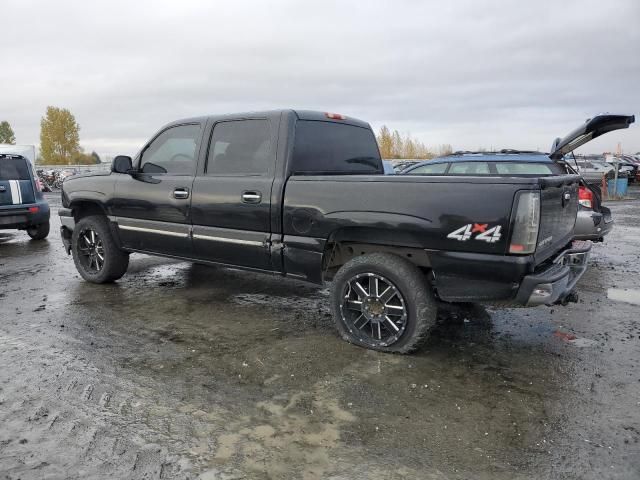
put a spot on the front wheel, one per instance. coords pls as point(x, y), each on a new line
point(38, 232)
point(95, 252)
point(382, 302)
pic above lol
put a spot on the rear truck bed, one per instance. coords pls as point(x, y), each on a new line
point(461, 229)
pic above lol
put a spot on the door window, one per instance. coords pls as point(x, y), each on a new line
point(240, 147)
point(433, 169)
point(469, 168)
point(525, 168)
point(173, 152)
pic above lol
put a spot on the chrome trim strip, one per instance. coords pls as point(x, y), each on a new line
point(228, 240)
point(153, 230)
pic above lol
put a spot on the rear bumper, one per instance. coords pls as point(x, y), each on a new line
point(19, 216)
point(554, 283)
point(68, 223)
point(591, 225)
point(508, 279)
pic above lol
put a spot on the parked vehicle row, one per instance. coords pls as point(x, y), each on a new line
point(302, 194)
point(594, 168)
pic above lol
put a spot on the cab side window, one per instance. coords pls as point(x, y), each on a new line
point(240, 147)
point(173, 152)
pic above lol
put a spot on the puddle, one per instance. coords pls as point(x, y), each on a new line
point(582, 342)
point(627, 296)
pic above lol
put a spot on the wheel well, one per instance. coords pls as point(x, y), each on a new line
point(84, 209)
point(337, 253)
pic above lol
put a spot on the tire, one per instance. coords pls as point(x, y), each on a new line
point(412, 308)
point(38, 232)
point(91, 240)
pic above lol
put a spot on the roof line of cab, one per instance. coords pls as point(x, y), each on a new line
point(314, 115)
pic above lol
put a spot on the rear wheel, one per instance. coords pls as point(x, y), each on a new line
point(95, 252)
point(38, 232)
point(383, 302)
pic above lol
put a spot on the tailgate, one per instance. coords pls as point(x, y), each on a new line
point(15, 181)
point(558, 210)
point(16, 192)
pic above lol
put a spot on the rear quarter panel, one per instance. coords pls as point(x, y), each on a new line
point(418, 212)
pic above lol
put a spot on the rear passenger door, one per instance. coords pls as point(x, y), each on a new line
point(231, 205)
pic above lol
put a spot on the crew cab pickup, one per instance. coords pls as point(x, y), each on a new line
point(303, 194)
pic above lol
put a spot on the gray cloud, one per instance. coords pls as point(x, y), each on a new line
point(472, 74)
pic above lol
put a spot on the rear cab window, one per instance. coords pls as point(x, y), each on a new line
point(334, 148)
point(14, 169)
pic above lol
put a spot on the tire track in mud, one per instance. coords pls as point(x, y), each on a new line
point(96, 420)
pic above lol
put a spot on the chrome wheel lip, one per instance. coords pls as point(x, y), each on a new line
point(383, 328)
point(90, 250)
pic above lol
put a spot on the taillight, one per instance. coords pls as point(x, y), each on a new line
point(33, 209)
point(526, 223)
point(585, 197)
point(335, 116)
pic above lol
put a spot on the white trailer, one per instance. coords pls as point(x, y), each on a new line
point(27, 151)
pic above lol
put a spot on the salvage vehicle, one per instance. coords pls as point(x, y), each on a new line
point(22, 205)
point(303, 194)
point(593, 221)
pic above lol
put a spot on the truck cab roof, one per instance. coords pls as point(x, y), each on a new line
point(299, 114)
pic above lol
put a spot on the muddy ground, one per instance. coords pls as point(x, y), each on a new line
point(185, 371)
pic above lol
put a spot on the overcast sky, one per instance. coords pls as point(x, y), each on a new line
point(469, 73)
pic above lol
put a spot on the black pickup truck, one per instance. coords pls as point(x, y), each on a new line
point(302, 194)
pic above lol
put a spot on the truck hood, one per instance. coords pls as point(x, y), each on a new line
point(592, 128)
point(89, 174)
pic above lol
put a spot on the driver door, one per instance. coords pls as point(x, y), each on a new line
point(152, 207)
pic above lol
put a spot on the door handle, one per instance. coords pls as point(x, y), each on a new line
point(251, 197)
point(181, 193)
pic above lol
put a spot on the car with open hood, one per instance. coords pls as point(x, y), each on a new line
point(593, 220)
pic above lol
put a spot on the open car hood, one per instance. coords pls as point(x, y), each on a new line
point(592, 128)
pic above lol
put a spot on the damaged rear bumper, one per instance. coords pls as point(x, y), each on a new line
point(555, 283)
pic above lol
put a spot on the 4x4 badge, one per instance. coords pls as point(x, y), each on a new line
point(484, 233)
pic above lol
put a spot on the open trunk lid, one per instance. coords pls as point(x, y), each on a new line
point(592, 128)
point(16, 187)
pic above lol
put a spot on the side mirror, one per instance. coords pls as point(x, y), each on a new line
point(122, 164)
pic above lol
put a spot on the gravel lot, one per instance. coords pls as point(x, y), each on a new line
point(186, 371)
